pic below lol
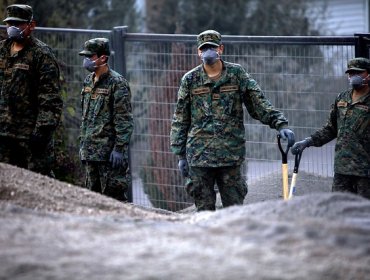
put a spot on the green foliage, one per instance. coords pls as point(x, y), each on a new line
point(91, 14)
point(239, 17)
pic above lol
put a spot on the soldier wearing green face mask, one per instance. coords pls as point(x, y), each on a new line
point(349, 123)
point(30, 99)
point(107, 123)
point(207, 130)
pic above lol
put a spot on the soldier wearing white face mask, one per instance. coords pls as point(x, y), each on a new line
point(30, 99)
point(349, 123)
point(207, 131)
point(107, 123)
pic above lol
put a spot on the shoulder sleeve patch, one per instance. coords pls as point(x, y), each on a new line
point(87, 89)
point(342, 104)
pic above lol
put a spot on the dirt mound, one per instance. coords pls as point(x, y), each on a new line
point(53, 230)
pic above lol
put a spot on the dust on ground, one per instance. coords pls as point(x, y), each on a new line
point(54, 230)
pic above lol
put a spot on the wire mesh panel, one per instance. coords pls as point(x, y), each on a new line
point(154, 71)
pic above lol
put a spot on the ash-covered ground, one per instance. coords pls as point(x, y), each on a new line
point(53, 230)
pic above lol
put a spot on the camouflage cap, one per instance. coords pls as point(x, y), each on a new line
point(19, 13)
point(209, 37)
point(97, 46)
point(358, 64)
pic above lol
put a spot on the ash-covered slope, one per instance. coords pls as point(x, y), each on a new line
point(52, 230)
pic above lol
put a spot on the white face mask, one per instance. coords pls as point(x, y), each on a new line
point(15, 33)
point(91, 65)
point(357, 82)
point(210, 56)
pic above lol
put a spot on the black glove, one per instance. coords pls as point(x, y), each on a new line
point(301, 145)
point(38, 142)
point(184, 167)
point(117, 159)
point(286, 133)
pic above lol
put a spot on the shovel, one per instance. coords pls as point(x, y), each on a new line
point(295, 173)
point(284, 167)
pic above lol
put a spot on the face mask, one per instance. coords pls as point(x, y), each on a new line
point(89, 65)
point(15, 33)
point(210, 56)
point(356, 82)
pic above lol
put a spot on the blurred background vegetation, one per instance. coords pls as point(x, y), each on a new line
point(238, 17)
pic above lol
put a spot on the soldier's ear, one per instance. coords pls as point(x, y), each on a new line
point(32, 25)
point(221, 49)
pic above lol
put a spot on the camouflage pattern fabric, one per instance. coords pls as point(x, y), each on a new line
point(18, 12)
point(101, 178)
point(358, 64)
point(44, 162)
point(209, 37)
point(30, 99)
point(352, 184)
point(231, 185)
point(107, 125)
point(208, 125)
point(15, 152)
point(350, 124)
point(97, 46)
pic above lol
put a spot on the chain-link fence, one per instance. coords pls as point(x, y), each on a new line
point(301, 76)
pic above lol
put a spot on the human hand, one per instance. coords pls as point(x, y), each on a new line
point(117, 159)
point(38, 143)
point(298, 147)
point(184, 167)
point(286, 133)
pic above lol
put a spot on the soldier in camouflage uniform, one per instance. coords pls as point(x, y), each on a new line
point(349, 123)
point(30, 99)
point(107, 123)
point(207, 130)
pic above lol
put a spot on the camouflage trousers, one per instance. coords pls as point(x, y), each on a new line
point(201, 186)
point(352, 184)
point(17, 152)
point(101, 177)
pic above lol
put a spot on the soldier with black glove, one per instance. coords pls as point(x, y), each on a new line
point(30, 97)
point(107, 123)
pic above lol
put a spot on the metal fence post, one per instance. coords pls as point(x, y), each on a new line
point(118, 45)
point(362, 45)
point(119, 65)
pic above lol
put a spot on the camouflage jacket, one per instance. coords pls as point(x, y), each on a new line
point(350, 124)
point(107, 121)
point(30, 98)
point(208, 125)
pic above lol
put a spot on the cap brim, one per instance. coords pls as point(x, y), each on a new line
point(355, 69)
point(208, 43)
point(86, 53)
point(15, 19)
